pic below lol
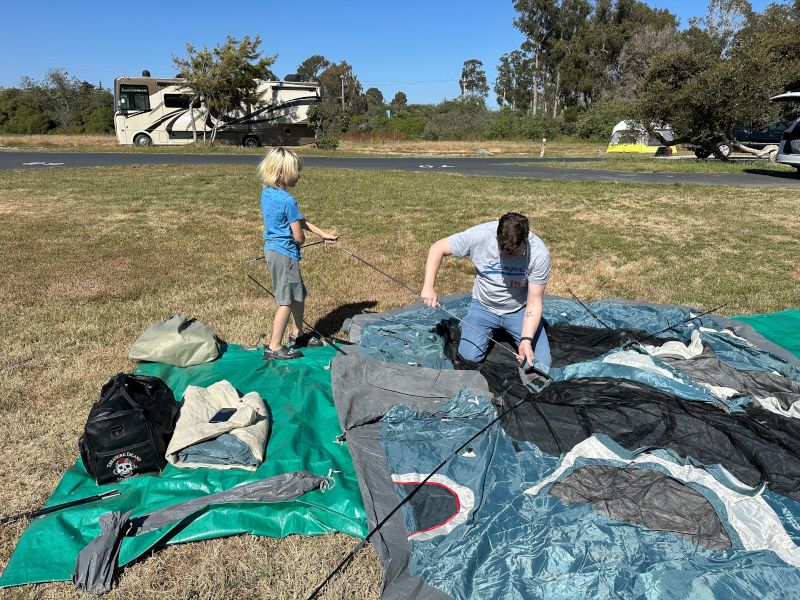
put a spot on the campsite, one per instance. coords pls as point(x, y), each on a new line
point(539, 348)
point(71, 326)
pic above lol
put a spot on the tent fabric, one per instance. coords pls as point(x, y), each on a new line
point(195, 442)
point(779, 327)
point(356, 375)
point(757, 446)
point(416, 335)
point(178, 341)
point(94, 569)
point(514, 544)
point(302, 438)
point(749, 518)
point(638, 496)
point(718, 458)
point(707, 369)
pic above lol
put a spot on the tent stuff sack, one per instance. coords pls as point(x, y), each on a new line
point(128, 429)
point(237, 442)
point(302, 438)
point(178, 341)
point(661, 470)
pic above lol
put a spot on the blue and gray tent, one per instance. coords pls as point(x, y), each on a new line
point(648, 466)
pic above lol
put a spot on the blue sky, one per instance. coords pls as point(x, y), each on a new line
point(414, 46)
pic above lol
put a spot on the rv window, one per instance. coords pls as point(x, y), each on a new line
point(134, 97)
point(176, 100)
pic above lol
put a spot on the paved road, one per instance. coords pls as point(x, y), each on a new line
point(492, 166)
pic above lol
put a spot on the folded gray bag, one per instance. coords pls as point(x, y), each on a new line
point(178, 341)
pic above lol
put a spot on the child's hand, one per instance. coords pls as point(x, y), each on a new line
point(331, 238)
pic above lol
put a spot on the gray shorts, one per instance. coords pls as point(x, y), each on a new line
point(287, 281)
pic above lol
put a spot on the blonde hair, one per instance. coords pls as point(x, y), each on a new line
point(280, 168)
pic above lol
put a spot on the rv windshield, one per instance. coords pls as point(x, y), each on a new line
point(134, 97)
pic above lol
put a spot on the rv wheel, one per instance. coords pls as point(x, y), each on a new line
point(251, 142)
point(142, 140)
point(702, 153)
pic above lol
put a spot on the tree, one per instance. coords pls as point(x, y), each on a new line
point(473, 79)
point(225, 78)
point(374, 97)
point(632, 61)
point(575, 44)
point(514, 80)
point(399, 101)
point(703, 93)
point(312, 67)
point(723, 19)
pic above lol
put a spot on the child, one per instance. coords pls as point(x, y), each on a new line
point(283, 236)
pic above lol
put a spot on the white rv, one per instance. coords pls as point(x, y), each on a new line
point(155, 111)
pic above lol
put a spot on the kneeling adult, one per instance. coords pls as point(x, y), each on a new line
point(512, 266)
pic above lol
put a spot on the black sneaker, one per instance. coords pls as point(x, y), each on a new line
point(283, 353)
point(306, 340)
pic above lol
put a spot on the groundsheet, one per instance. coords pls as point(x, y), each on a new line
point(302, 437)
point(782, 328)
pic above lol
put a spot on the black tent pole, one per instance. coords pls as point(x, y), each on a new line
point(51, 509)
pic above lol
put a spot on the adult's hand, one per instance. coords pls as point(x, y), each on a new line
point(525, 352)
point(429, 297)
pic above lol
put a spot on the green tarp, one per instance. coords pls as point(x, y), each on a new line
point(782, 328)
point(303, 437)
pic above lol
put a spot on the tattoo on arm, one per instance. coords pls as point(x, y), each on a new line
point(530, 313)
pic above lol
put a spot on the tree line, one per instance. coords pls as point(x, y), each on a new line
point(59, 102)
point(582, 67)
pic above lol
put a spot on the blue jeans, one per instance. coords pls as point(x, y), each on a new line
point(473, 345)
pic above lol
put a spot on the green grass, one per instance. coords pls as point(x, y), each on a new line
point(675, 165)
point(91, 257)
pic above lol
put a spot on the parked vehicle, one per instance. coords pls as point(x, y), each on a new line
point(155, 111)
point(744, 134)
point(789, 148)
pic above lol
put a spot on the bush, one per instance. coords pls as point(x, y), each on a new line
point(326, 141)
point(409, 128)
point(598, 121)
point(464, 119)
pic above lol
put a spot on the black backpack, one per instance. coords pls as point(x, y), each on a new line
point(129, 428)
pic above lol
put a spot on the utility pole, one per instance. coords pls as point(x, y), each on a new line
point(342, 78)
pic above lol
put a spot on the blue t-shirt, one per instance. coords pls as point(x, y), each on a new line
point(280, 210)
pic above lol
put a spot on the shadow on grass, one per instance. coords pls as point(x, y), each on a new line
point(332, 322)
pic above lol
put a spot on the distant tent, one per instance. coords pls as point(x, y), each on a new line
point(627, 137)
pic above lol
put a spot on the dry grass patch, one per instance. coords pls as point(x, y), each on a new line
point(91, 257)
point(62, 142)
point(568, 148)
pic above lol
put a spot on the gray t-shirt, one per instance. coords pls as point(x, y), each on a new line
point(501, 282)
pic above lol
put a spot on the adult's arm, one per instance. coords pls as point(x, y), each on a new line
point(531, 320)
point(436, 253)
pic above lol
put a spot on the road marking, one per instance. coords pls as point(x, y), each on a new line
point(44, 164)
